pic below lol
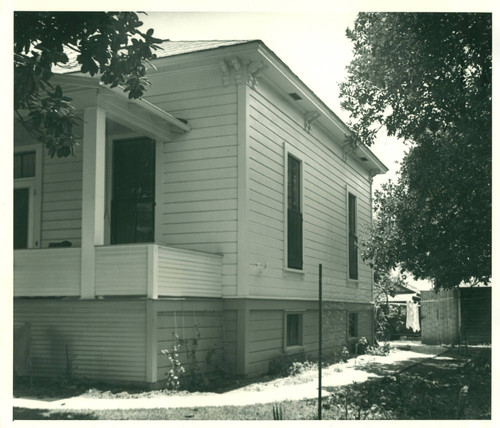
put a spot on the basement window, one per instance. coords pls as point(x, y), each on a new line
point(353, 324)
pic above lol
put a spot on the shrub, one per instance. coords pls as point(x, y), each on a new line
point(298, 367)
point(283, 364)
point(378, 350)
point(361, 346)
point(344, 354)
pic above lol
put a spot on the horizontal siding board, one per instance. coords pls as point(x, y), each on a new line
point(96, 344)
point(121, 270)
point(187, 273)
point(204, 174)
point(272, 123)
point(47, 272)
point(194, 217)
point(194, 145)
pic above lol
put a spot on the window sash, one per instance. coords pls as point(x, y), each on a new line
point(21, 217)
point(133, 203)
point(25, 164)
point(294, 214)
point(353, 244)
point(353, 324)
point(293, 330)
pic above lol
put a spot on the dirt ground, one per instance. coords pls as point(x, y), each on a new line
point(303, 386)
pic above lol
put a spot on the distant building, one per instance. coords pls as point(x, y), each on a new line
point(462, 315)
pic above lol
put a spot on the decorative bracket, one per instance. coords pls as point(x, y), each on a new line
point(372, 173)
point(242, 71)
point(347, 150)
point(309, 118)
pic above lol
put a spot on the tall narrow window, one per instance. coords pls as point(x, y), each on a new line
point(132, 206)
point(353, 239)
point(21, 217)
point(294, 233)
point(25, 185)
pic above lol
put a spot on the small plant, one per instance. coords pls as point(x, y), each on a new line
point(299, 367)
point(344, 354)
point(378, 350)
point(283, 364)
point(361, 346)
point(174, 375)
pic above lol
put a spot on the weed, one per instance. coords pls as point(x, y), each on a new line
point(277, 412)
point(378, 350)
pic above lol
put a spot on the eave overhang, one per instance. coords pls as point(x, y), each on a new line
point(116, 102)
point(278, 74)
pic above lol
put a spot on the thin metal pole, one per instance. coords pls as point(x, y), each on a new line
point(320, 354)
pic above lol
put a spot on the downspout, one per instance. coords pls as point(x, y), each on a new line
point(459, 317)
point(372, 276)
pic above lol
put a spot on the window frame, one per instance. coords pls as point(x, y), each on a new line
point(349, 192)
point(34, 184)
point(356, 325)
point(110, 139)
point(290, 151)
point(300, 330)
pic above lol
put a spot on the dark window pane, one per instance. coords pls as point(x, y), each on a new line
point(294, 239)
point(292, 330)
point(24, 165)
point(353, 324)
point(18, 170)
point(132, 218)
point(293, 184)
point(294, 233)
point(21, 215)
point(353, 244)
point(29, 164)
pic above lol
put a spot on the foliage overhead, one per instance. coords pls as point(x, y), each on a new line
point(106, 43)
point(426, 78)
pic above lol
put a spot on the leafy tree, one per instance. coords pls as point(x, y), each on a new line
point(426, 78)
point(108, 43)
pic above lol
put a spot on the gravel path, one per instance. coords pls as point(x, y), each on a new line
point(300, 387)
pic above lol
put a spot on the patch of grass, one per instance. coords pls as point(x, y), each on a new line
point(428, 390)
point(305, 409)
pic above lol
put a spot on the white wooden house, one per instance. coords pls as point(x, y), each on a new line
point(203, 209)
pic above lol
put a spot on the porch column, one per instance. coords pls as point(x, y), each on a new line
point(93, 192)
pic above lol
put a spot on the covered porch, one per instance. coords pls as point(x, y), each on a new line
point(92, 226)
point(142, 270)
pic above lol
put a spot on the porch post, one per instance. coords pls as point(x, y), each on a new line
point(93, 192)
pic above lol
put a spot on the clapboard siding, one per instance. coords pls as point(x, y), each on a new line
point(189, 273)
point(47, 272)
point(272, 123)
point(105, 340)
point(201, 327)
point(266, 330)
point(230, 339)
point(61, 218)
point(122, 270)
point(199, 172)
point(266, 337)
